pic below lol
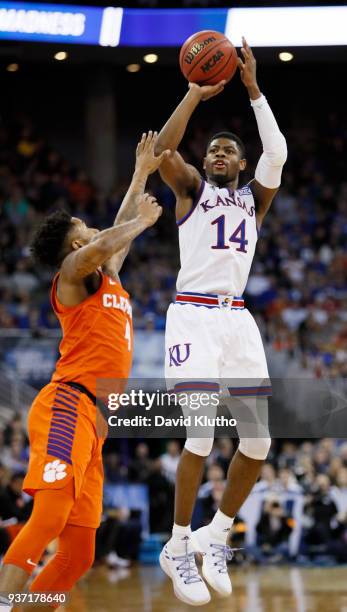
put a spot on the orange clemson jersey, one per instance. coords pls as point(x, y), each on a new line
point(97, 336)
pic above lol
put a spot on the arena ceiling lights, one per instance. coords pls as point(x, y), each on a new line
point(113, 26)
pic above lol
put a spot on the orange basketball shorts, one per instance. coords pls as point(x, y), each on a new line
point(65, 444)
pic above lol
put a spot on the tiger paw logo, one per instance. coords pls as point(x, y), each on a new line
point(54, 471)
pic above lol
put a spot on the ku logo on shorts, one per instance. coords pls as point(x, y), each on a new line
point(177, 355)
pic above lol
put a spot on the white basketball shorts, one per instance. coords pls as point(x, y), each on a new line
point(213, 347)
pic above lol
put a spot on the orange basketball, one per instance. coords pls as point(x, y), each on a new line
point(208, 57)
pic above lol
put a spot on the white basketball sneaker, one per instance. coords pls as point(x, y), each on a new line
point(215, 555)
point(187, 583)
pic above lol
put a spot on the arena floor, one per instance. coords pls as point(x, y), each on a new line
point(255, 590)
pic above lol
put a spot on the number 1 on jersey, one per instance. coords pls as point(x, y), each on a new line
point(128, 335)
point(238, 236)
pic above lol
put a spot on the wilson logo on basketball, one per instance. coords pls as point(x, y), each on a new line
point(212, 61)
point(195, 49)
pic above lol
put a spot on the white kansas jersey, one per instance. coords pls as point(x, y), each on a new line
point(217, 241)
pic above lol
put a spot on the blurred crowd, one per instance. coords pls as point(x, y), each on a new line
point(298, 284)
point(297, 510)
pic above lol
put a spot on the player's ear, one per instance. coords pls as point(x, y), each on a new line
point(76, 244)
point(242, 164)
point(204, 163)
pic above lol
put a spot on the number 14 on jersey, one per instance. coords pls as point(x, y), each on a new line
point(238, 236)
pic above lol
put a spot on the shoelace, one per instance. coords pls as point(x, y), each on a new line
point(223, 553)
point(188, 566)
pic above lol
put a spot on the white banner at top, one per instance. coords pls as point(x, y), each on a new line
point(288, 26)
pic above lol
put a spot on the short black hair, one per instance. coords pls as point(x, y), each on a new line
point(47, 244)
point(230, 136)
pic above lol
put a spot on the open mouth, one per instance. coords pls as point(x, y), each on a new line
point(219, 164)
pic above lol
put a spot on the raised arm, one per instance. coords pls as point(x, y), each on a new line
point(87, 259)
point(183, 178)
point(146, 163)
point(269, 169)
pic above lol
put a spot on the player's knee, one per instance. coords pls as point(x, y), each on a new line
point(49, 526)
point(199, 446)
point(255, 448)
point(82, 562)
point(75, 561)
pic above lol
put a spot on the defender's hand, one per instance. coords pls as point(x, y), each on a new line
point(146, 161)
point(248, 66)
point(149, 210)
point(206, 91)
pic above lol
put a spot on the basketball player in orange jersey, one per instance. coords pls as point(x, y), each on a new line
point(209, 332)
point(66, 431)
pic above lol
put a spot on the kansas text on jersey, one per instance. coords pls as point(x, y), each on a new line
point(217, 241)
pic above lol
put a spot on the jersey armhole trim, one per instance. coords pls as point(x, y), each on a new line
point(194, 204)
point(60, 308)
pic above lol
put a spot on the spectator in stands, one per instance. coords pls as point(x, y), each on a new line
point(17, 205)
point(287, 483)
point(140, 467)
point(210, 493)
point(118, 538)
point(267, 481)
point(273, 531)
point(169, 460)
point(161, 496)
point(13, 502)
point(215, 474)
point(338, 543)
point(222, 453)
point(339, 491)
point(288, 455)
point(321, 510)
point(15, 426)
point(115, 472)
point(15, 456)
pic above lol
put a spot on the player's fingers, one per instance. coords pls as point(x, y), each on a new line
point(149, 139)
point(246, 46)
point(153, 139)
point(219, 85)
point(240, 63)
point(141, 143)
point(214, 89)
point(160, 210)
point(145, 141)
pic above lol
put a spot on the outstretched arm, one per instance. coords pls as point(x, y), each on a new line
point(269, 169)
point(146, 163)
point(183, 178)
point(86, 260)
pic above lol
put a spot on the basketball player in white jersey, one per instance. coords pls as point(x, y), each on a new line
point(209, 333)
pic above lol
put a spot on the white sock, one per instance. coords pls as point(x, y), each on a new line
point(220, 526)
point(178, 541)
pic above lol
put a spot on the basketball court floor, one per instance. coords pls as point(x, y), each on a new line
point(269, 589)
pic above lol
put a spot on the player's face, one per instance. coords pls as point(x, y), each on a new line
point(81, 234)
point(222, 163)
